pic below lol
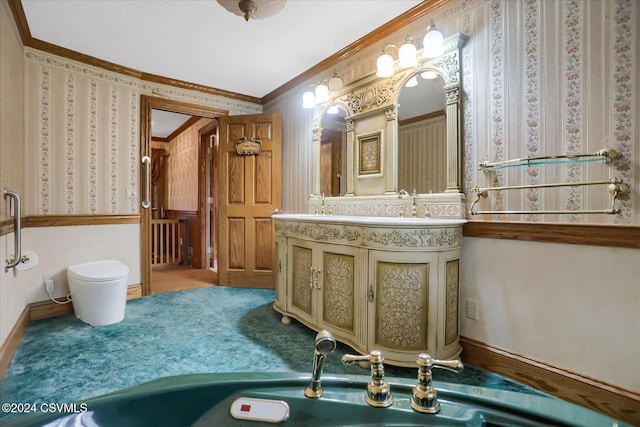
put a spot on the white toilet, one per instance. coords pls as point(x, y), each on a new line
point(99, 291)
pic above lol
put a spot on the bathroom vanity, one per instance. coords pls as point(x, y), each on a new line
point(383, 283)
point(376, 262)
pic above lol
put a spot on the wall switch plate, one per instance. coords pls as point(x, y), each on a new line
point(471, 310)
point(132, 193)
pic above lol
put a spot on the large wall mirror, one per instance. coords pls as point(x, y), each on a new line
point(422, 134)
point(333, 136)
point(407, 126)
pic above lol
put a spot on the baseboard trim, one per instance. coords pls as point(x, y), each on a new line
point(36, 311)
point(10, 345)
point(588, 392)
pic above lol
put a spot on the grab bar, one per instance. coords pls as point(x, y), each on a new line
point(613, 181)
point(606, 155)
point(611, 211)
point(146, 173)
point(615, 187)
point(16, 258)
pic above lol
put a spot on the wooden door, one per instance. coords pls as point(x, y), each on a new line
point(330, 162)
point(249, 191)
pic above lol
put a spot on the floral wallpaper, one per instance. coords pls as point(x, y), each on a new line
point(82, 135)
point(545, 79)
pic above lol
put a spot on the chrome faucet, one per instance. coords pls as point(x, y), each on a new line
point(320, 197)
point(425, 396)
point(414, 205)
point(325, 344)
point(378, 390)
point(401, 193)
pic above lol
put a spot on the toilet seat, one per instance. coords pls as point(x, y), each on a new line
point(100, 271)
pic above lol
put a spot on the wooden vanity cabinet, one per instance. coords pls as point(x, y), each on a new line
point(393, 289)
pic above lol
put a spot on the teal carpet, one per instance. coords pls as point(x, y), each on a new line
point(214, 329)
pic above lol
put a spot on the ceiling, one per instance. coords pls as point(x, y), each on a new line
point(164, 123)
point(199, 41)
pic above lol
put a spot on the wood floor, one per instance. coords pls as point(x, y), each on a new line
point(181, 278)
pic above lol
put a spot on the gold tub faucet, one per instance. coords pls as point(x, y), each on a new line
point(378, 390)
point(425, 397)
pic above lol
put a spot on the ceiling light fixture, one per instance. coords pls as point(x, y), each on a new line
point(253, 9)
point(433, 46)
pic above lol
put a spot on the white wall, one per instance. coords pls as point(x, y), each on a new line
point(58, 248)
point(573, 306)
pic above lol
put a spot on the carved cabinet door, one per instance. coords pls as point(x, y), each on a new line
point(301, 295)
point(340, 307)
point(402, 309)
point(325, 287)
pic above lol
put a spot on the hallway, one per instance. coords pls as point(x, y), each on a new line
point(181, 278)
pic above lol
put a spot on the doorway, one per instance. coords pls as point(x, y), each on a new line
point(193, 216)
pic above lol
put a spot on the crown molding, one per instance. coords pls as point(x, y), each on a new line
point(414, 14)
point(29, 41)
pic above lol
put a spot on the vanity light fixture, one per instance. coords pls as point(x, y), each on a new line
point(322, 91)
point(412, 82)
point(407, 53)
point(385, 65)
point(334, 109)
point(429, 75)
point(335, 84)
point(308, 99)
point(433, 42)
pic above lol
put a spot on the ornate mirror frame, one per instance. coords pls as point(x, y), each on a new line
point(371, 105)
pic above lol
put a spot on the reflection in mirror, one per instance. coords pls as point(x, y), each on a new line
point(332, 145)
point(422, 134)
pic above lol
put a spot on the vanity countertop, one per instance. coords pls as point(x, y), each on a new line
point(383, 221)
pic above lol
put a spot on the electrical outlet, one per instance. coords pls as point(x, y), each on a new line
point(471, 310)
point(49, 284)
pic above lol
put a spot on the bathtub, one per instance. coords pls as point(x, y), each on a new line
point(206, 399)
